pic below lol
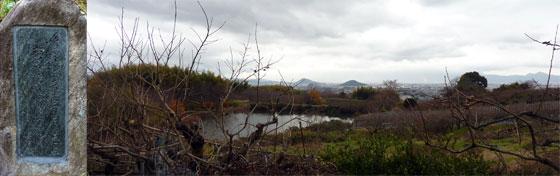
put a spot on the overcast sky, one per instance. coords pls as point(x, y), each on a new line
point(366, 40)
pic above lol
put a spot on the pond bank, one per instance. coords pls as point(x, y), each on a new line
point(235, 122)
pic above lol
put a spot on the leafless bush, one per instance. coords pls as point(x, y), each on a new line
point(535, 125)
point(140, 124)
point(438, 121)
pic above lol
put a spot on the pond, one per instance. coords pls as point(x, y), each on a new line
point(235, 122)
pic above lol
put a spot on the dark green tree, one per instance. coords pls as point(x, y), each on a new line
point(363, 93)
point(410, 103)
point(472, 82)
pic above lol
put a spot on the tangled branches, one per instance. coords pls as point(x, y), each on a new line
point(144, 114)
point(536, 129)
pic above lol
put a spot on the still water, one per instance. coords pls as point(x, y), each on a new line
point(235, 122)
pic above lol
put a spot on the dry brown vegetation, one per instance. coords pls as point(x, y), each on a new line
point(516, 121)
point(144, 117)
point(143, 113)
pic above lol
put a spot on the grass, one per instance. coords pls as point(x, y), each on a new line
point(389, 154)
point(340, 138)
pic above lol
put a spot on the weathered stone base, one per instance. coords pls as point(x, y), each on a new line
point(63, 13)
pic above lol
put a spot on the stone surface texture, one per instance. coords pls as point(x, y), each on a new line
point(63, 13)
point(41, 86)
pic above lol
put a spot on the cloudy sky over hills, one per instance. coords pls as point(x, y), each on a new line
point(365, 40)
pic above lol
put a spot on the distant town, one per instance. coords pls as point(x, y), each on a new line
point(420, 91)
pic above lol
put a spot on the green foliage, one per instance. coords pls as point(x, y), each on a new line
point(363, 93)
point(385, 154)
point(166, 77)
point(5, 7)
point(472, 81)
point(237, 103)
point(515, 86)
point(203, 87)
point(312, 137)
point(82, 4)
point(525, 92)
point(334, 125)
point(332, 131)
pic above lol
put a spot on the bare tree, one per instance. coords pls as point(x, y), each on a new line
point(538, 125)
point(138, 119)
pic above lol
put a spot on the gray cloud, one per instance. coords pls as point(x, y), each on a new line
point(292, 18)
point(381, 38)
point(436, 2)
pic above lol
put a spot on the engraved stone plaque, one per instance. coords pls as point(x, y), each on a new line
point(41, 90)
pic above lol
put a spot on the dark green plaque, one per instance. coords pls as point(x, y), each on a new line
point(41, 82)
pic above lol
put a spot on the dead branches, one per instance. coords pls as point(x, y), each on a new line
point(540, 130)
point(554, 46)
point(480, 129)
point(136, 102)
point(478, 140)
point(126, 103)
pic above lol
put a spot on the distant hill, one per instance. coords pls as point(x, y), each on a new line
point(540, 77)
point(307, 83)
point(303, 83)
point(352, 83)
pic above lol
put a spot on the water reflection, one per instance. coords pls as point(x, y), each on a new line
point(235, 122)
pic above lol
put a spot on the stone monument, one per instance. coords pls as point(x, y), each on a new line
point(43, 89)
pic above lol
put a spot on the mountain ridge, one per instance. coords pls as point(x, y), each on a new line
point(540, 77)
